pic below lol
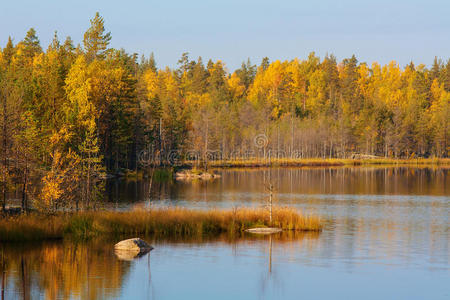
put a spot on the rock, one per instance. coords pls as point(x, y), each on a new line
point(107, 176)
point(135, 244)
point(189, 175)
point(131, 249)
point(206, 176)
point(264, 230)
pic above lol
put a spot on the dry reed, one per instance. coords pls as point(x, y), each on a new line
point(163, 222)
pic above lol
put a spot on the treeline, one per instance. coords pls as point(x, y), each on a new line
point(72, 113)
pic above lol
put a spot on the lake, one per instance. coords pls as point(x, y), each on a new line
point(386, 237)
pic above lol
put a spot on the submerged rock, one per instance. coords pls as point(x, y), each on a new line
point(264, 230)
point(131, 249)
point(135, 244)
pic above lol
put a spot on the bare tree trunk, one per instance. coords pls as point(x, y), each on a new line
point(88, 181)
point(160, 142)
point(270, 202)
point(23, 275)
point(4, 152)
point(3, 277)
point(206, 145)
point(278, 139)
point(270, 253)
point(25, 187)
point(150, 186)
point(292, 133)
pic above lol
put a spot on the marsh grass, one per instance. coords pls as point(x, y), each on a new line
point(164, 222)
point(31, 227)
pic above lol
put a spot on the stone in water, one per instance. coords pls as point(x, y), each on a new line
point(131, 249)
point(133, 244)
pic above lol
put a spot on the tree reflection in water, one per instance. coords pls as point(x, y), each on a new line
point(61, 270)
point(64, 269)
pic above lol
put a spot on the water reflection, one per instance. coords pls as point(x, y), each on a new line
point(386, 237)
point(129, 255)
point(61, 270)
point(246, 186)
point(362, 262)
point(93, 270)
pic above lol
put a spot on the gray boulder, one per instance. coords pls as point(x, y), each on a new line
point(135, 244)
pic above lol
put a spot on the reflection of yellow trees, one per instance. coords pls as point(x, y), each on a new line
point(63, 270)
point(239, 187)
point(333, 180)
point(91, 270)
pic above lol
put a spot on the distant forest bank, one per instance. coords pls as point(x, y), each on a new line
point(73, 113)
point(332, 162)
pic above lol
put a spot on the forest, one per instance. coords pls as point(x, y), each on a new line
point(71, 114)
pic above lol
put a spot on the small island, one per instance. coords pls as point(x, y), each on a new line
point(189, 174)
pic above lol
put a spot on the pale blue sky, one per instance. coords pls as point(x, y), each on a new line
point(232, 30)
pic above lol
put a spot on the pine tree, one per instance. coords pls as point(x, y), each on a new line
point(184, 64)
point(8, 51)
point(149, 63)
point(329, 65)
point(447, 76)
point(31, 44)
point(349, 77)
point(199, 76)
point(66, 55)
point(5, 142)
point(55, 44)
point(246, 73)
point(152, 62)
point(265, 63)
point(92, 170)
point(435, 71)
point(10, 113)
point(96, 40)
point(27, 143)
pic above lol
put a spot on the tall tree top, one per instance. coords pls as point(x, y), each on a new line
point(152, 62)
point(435, 69)
point(31, 43)
point(96, 40)
point(55, 44)
point(9, 50)
point(265, 63)
point(184, 63)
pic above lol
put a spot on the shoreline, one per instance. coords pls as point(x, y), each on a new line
point(331, 162)
point(167, 170)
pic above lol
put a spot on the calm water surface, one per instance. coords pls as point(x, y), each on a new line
point(387, 237)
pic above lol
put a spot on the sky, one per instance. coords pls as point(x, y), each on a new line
point(234, 30)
